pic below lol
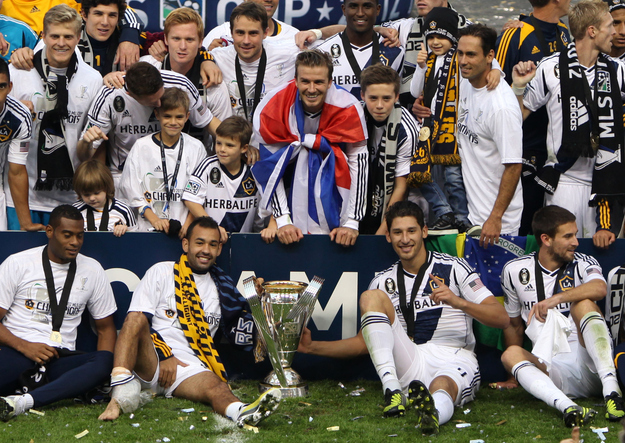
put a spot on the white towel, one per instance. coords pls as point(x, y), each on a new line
point(551, 337)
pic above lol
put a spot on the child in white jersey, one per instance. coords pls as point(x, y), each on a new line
point(100, 209)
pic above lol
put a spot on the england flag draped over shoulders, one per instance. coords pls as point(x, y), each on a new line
point(320, 183)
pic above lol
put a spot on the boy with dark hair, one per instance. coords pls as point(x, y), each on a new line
point(158, 168)
point(392, 135)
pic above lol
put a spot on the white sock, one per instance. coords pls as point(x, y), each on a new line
point(537, 383)
point(599, 347)
point(378, 335)
point(444, 405)
point(234, 410)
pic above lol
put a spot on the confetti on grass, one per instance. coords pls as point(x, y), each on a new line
point(36, 412)
point(82, 434)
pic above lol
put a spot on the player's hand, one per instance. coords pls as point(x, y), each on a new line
point(490, 231)
point(258, 284)
point(289, 234)
point(93, 134)
point(305, 341)
point(168, 370)
point(422, 57)
point(540, 309)
point(4, 45)
point(492, 79)
point(269, 234)
point(158, 50)
point(419, 110)
point(252, 154)
point(391, 36)
point(512, 24)
point(344, 236)
point(574, 436)
point(523, 73)
point(511, 383)
point(216, 43)
point(161, 224)
point(114, 79)
point(210, 73)
point(32, 227)
point(127, 54)
point(119, 230)
point(223, 235)
point(442, 294)
point(38, 352)
point(303, 39)
point(603, 238)
point(22, 58)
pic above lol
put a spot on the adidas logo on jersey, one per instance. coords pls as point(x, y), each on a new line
point(126, 113)
point(529, 288)
point(535, 50)
point(35, 9)
point(220, 185)
point(158, 169)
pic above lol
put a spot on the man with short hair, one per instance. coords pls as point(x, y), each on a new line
point(44, 293)
point(416, 325)
point(323, 144)
point(121, 116)
point(490, 139)
point(179, 313)
point(58, 92)
point(583, 90)
point(617, 11)
point(540, 291)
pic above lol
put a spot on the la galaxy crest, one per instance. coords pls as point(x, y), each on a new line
point(5, 133)
point(248, 185)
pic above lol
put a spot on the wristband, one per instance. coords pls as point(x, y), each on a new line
point(317, 33)
point(518, 91)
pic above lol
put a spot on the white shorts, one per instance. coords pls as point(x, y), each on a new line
point(427, 361)
point(575, 198)
point(574, 373)
point(182, 373)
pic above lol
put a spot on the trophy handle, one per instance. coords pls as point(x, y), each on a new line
point(250, 293)
point(306, 303)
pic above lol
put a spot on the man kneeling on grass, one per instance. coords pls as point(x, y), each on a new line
point(166, 344)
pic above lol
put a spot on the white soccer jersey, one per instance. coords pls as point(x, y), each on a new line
point(283, 34)
point(142, 180)
point(232, 201)
point(125, 120)
point(155, 295)
point(518, 281)
point(343, 74)
point(544, 90)
point(119, 213)
point(279, 70)
point(489, 135)
point(27, 85)
point(437, 323)
point(24, 295)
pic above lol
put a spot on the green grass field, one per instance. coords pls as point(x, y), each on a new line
point(495, 416)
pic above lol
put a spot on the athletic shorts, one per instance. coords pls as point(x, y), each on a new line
point(574, 373)
point(182, 373)
point(575, 198)
point(427, 361)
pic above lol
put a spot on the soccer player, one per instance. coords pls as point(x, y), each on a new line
point(223, 186)
point(122, 115)
point(330, 124)
point(617, 11)
point(417, 325)
point(180, 358)
point(14, 34)
point(159, 166)
point(556, 279)
point(58, 93)
point(585, 137)
point(43, 295)
point(251, 69)
point(94, 186)
point(393, 134)
point(490, 139)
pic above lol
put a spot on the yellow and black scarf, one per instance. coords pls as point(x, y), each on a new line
point(438, 144)
point(192, 318)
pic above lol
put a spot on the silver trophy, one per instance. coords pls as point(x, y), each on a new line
point(280, 314)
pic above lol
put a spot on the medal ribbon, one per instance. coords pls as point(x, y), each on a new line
point(57, 310)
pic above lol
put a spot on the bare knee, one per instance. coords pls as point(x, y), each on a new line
point(513, 355)
point(377, 301)
point(446, 384)
point(135, 321)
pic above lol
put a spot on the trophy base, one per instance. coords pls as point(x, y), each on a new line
point(296, 387)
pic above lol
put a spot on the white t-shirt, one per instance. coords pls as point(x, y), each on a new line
point(27, 85)
point(283, 34)
point(489, 135)
point(24, 295)
point(119, 213)
point(232, 201)
point(437, 323)
point(125, 120)
point(142, 180)
point(279, 70)
point(155, 295)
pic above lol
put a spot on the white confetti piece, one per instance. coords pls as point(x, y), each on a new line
point(463, 425)
point(188, 410)
point(191, 428)
point(310, 419)
point(36, 412)
point(82, 434)
point(466, 411)
point(135, 425)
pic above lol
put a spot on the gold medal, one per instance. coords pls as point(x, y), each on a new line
point(594, 142)
point(424, 133)
point(56, 337)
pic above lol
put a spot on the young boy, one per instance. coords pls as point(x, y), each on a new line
point(437, 76)
point(158, 167)
point(393, 133)
point(223, 186)
point(100, 209)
